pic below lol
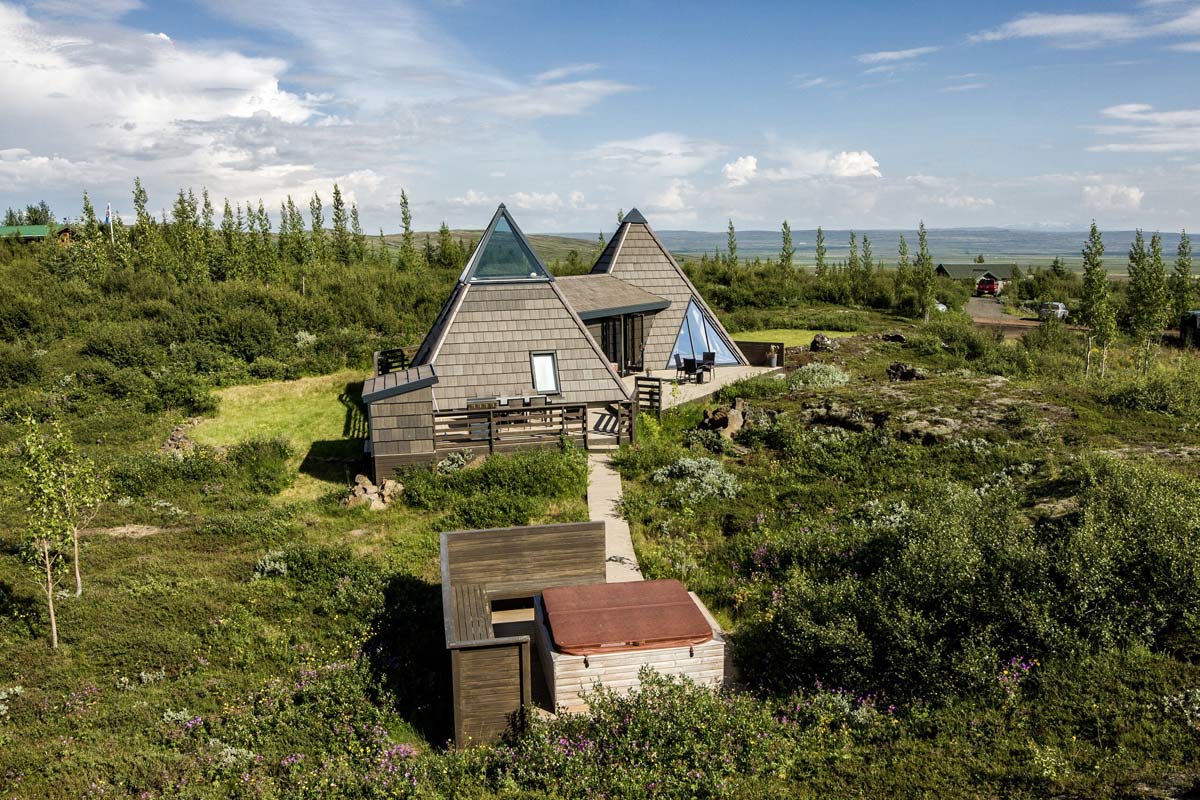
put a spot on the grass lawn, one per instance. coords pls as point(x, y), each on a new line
point(319, 417)
point(791, 337)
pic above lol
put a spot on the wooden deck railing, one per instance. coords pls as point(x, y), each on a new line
point(648, 395)
point(505, 429)
point(394, 359)
point(759, 353)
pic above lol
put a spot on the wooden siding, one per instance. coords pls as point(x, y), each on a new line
point(492, 676)
point(485, 350)
point(490, 684)
point(568, 678)
point(519, 562)
point(401, 431)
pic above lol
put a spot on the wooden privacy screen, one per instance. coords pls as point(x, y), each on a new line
point(491, 676)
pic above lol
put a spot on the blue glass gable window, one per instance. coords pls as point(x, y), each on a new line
point(697, 336)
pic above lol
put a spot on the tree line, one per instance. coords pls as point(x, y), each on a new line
point(196, 243)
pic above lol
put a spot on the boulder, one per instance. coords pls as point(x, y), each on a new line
point(362, 480)
point(905, 372)
point(823, 344)
point(390, 489)
point(899, 338)
point(735, 420)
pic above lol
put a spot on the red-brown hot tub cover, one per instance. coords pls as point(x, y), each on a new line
point(617, 617)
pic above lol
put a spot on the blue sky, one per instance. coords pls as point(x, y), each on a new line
point(862, 115)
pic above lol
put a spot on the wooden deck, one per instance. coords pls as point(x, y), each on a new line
point(677, 394)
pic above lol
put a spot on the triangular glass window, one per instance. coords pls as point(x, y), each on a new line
point(697, 336)
point(504, 255)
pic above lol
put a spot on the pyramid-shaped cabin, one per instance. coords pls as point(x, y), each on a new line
point(645, 336)
point(518, 357)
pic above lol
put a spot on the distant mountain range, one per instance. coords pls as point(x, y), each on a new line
point(998, 245)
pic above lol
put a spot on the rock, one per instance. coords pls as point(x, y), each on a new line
point(362, 480)
point(823, 344)
point(725, 421)
point(734, 421)
point(905, 372)
point(355, 501)
point(359, 491)
point(358, 532)
point(378, 504)
point(390, 489)
point(894, 337)
point(928, 431)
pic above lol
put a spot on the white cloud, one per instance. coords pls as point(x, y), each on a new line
point(740, 171)
point(806, 82)
point(1066, 29)
point(963, 87)
point(889, 56)
point(854, 164)
point(801, 163)
point(99, 10)
point(665, 154)
point(1141, 129)
point(1186, 47)
point(553, 99)
point(558, 73)
point(965, 201)
point(1111, 197)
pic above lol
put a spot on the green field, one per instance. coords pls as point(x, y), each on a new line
point(790, 337)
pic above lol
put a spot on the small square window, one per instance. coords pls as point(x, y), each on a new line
point(545, 372)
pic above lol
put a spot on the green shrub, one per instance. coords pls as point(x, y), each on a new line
point(1162, 391)
point(18, 367)
point(182, 391)
point(818, 376)
point(248, 333)
point(160, 473)
point(665, 738)
point(123, 344)
point(270, 369)
point(263, 464)
point(695, 480)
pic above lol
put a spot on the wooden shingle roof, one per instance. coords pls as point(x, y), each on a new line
point(395, 383)
point(637, 256)
point(596, 296)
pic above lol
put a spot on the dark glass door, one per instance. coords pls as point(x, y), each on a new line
point(635, 342)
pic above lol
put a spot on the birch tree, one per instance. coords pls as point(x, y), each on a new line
point(787, 252)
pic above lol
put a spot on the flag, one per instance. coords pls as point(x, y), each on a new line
point(108, 214)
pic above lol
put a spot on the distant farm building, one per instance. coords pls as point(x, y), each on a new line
point(35, 233)
point(1001, 273)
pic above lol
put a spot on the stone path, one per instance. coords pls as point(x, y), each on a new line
point(604, 490)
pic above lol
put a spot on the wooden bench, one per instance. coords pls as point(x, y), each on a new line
point(472, 613)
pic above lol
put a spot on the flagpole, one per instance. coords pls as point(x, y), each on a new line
point(111, 236)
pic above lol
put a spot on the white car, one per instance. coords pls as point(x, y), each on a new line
point(1053, 311)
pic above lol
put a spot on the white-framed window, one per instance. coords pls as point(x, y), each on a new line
point(544, 367)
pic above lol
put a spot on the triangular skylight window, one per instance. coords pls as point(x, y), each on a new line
point(698, 336)
point(503, 255)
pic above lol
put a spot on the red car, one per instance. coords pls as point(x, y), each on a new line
point(987, 286)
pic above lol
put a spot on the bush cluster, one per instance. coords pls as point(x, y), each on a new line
point(503, 490)
point(929, 600)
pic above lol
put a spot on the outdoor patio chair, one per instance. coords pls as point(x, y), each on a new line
point(679, 373)
point(691, 370)
point(708, 362)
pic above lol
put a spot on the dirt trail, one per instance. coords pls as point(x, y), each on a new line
point(988, 312)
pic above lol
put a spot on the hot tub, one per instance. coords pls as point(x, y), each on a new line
point(607, 632)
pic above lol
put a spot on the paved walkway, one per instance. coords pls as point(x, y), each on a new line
point(604, 490)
